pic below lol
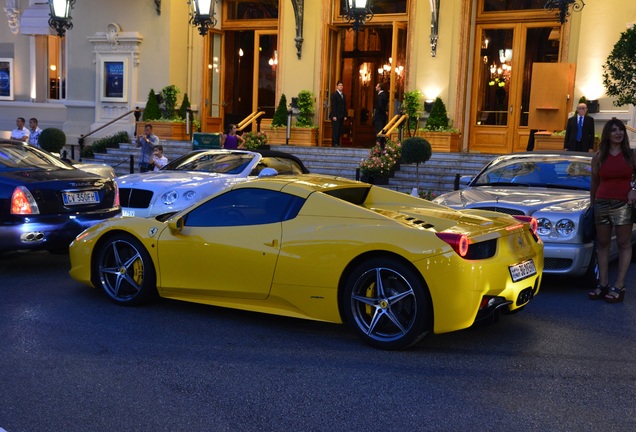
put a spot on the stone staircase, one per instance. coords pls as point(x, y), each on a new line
point(119, 158)
point(437, 175)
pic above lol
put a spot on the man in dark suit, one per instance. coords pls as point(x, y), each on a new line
point(338, 114)
point(579, 131)
point(380, 114)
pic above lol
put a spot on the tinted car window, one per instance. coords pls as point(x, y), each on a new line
point(243, 207)
point(224, 163)
point(553, 172)
point(23, 156)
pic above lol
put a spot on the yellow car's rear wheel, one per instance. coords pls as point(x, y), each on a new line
point(125, 270)
point(388, 304)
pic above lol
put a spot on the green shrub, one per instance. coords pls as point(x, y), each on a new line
point(619, 72)
point(280, 116)
point(438, 119)
point(412, 103)
point(169, 102)
point(52, 140)
point(416, 150)
point(152, 111)
point(183, 109)
point(100, 145)
point(305, 109)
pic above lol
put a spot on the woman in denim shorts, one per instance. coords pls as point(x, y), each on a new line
point(612, 195)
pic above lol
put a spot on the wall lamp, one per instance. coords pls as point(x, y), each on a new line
point(60, 16)
point(561, 8)
point(358, 12)
point(203, 15)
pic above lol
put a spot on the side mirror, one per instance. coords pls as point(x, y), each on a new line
point(175, 225)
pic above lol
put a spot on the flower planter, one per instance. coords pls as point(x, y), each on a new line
point(166, 130)
point(298, 136)
point(375, 180)
point(443, 142)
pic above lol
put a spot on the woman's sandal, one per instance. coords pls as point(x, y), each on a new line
point(615, 295)
point(599, 292)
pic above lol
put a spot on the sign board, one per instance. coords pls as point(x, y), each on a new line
point(201, 140)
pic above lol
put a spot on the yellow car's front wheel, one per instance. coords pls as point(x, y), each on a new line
point(388, 304)
point(125, 271)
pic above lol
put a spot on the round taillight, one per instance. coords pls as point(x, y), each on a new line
point(459, 242)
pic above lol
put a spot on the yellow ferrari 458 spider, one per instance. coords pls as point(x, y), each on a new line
point(393, 266)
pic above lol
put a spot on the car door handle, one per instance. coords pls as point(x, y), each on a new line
point(273, 243)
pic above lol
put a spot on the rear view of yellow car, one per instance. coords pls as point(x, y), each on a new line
point(392, 266)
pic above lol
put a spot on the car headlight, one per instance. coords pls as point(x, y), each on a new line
point(190, 195)
point(544, 226)
point(565, 227)
point(170, 197)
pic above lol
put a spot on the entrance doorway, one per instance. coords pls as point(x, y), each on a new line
point(240, 77)
point(251, 62)
point(504, 54)
point(376, 54)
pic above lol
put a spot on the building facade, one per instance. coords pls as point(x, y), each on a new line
point(478, 56)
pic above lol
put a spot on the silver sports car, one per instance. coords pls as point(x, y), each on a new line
point(554, 188)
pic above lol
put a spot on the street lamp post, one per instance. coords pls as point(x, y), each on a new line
point(203, 15)
point(358, 12)
point(60, 17)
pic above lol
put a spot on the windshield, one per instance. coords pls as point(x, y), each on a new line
point(557, 172)
point(222, 163)
point(28, 157)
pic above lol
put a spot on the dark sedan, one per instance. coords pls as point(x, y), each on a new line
point(45, 202)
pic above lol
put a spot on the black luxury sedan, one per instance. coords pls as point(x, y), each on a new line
point(45, 202)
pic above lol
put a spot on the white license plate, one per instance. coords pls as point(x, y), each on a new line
point(75, 198)
point(522, 270)
point(127, 212)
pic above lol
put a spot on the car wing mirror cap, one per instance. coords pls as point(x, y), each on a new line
point(176, 225)
point(267, 172)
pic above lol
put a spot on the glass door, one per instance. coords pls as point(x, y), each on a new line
point(504, 55)
point(212, 113)
point(265, 67)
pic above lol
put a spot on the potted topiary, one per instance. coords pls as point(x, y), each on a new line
point(52, 140)
point(416, 150)
point(161, 113)
point(280, 115)
point(303, 132)
point(152, 111)
point(439, 131)
point(412, 103)
point(305, 109)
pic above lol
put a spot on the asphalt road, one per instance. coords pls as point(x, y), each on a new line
point(70, 360)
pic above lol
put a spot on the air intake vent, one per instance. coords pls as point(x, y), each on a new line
point(135, 198)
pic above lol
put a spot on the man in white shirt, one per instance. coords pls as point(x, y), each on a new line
point(20, 133)
point(34, 132)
